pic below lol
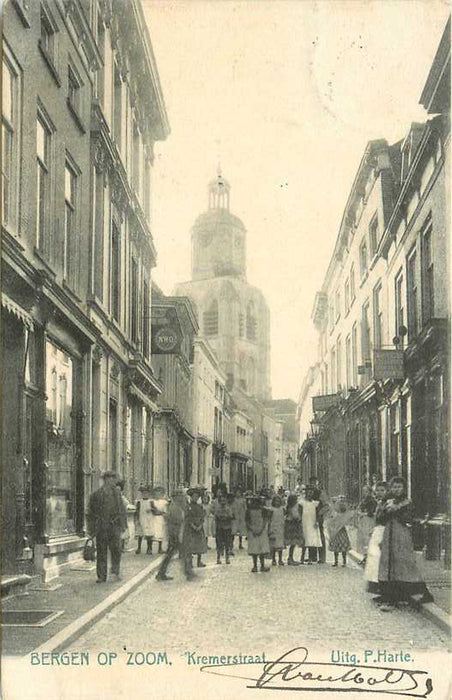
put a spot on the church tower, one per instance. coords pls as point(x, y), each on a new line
point(233, 315)
point(218, 237)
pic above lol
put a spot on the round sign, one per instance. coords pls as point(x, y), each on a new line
point(166, 339)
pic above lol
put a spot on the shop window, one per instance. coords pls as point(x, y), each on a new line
point(61, 452)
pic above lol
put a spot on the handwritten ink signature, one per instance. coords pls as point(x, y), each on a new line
point(293, 671)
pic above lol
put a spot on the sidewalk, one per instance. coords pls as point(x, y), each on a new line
point(81, 599)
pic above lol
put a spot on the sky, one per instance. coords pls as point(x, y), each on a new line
point(286, 94)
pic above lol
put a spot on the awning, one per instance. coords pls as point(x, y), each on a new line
point(14, 308)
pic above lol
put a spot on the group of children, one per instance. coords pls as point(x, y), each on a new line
point(272, 522)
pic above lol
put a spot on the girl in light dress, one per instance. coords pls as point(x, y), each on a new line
point(209, 518)
point(374, 548)
point(159, 509)
point(311, 532)
point(276, 530)
point(143, 519)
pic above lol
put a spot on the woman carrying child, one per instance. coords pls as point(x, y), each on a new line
point(398, 575)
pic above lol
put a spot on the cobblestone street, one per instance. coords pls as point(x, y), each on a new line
point(228, 609)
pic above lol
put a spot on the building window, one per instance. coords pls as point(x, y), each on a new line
point(366, 347)
point(100, 74)
point(210, 319)
point(339, 363)
point(363, 258)
point(117, 107)
point(347, 296)
point(47, 38)
point(60, 443)
point(352, 285)
point(70, 244)
point(147, 189)
point(113, 434)
point(355, 355)
point(378, 317)
point(333, 370)
point(412, 295)
point(73, 91)
point(136, 158)
point(146, 315)
point(115, 298)
point(428, 298)
point(399, 307)
point(99, 203)
point(10, 119)
point(43, 138)
point(373, 235)
point(348, 361)
point(337, 300)
point(134, 302)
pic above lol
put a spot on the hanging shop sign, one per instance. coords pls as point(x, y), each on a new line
point(166, 333)
point(388, 364)
point(323, 403)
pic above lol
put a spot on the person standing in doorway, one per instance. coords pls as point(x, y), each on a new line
point(107, 519)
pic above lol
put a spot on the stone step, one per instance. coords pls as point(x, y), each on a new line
point(14, 584)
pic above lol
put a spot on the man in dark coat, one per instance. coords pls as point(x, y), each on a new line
point(107, 520)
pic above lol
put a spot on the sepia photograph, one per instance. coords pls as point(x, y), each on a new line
point(225, 332)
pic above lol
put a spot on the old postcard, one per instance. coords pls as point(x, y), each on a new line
point(225, 335)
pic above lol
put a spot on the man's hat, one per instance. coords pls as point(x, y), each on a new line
point(109, 475)
point(195, 489)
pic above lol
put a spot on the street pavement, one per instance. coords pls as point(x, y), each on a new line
point(228, 609)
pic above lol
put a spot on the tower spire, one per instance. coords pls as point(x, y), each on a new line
point(219, 189)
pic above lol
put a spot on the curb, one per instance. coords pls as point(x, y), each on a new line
point(431, 611)
point(67, 635)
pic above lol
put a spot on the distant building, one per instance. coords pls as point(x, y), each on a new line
point(285, 412)
point(82, 107)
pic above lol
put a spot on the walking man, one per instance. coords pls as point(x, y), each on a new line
point(107, 520)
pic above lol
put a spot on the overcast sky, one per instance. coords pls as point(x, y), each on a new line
point(287, 94)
